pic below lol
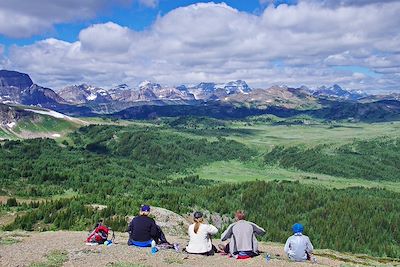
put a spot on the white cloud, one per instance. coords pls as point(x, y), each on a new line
point(149, 3)
point(291, 45)
point(336, 3)
point(25, 18)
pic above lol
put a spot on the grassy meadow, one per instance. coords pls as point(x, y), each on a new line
point(264, 136)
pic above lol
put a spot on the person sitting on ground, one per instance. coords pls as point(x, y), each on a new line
point(143, 230)
point(200, 236)
point(298, 247)
point(242, 234)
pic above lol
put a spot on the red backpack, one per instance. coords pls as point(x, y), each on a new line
point(99, 235)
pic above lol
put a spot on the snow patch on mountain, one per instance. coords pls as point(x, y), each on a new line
point(11, 124)
point(51, 113)
point(91, 97)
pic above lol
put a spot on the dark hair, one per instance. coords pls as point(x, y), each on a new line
point(198, 214)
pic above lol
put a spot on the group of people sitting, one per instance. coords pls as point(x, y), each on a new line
point(241, 236)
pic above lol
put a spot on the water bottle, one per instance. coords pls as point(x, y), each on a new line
point(267, 258)
point(153, 247)
point(314, 259)
point(177, 247)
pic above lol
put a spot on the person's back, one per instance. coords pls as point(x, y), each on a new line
point(242, 235)
point(298, 247)
point(200, 242)
point(142, 228)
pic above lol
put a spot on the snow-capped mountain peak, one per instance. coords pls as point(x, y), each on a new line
point(149, 85)
point(336, 91)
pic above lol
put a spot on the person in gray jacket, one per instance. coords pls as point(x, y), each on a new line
point(298, 247)
point(242, 235)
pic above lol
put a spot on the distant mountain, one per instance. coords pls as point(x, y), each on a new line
point(16, 87)
point(337, 92)
point(281, 96)
point(233, 99)
point(218, 91)
point(82, 94)
point(14, 79)
point(374, 98)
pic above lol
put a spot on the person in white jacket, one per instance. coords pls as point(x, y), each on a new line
point(200, 236)
point(298, 247)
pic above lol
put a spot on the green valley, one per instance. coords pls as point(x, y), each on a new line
point(219, 166)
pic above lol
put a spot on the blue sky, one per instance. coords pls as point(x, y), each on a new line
point(292, 42)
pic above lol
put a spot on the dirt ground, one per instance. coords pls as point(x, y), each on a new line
point(26, 248)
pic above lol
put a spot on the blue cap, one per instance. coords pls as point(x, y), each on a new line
point(145, 208)
point(297, 228)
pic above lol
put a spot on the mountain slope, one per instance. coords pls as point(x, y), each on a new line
point(29, 122)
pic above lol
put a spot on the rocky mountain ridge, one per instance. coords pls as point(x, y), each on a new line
point(233, 99)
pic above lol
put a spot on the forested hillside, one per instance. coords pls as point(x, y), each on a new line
point(123, 167)
point(377, 159)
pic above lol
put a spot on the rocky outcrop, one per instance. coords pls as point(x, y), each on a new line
point(171, 222)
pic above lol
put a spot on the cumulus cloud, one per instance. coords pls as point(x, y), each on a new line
point(25, 18)
point(293, 45)
point(336, 3)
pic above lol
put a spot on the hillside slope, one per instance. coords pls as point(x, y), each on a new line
point(32, 122)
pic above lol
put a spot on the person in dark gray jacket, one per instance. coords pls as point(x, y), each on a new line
point(242, 235)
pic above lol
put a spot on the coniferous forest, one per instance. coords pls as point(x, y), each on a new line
point(123, 167)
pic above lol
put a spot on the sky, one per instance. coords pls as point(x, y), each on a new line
point(353, 43)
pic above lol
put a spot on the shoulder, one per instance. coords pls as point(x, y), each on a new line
point(210, 226)
point(290, 238)
point(151, 220)
point(232, 225)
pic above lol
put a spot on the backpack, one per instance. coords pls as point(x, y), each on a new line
point(99, 235)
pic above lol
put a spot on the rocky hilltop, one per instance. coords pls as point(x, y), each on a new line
point(65, 248)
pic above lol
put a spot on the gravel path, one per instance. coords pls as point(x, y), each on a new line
point(33, 247)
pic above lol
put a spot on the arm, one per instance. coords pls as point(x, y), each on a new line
point(130, 227)
point(212, 230)
point(154, 230)
point(228, 233)
point(309, 246)
point(257, 229)
point(287, 246)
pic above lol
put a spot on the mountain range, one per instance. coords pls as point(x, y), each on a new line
point(233, 99)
